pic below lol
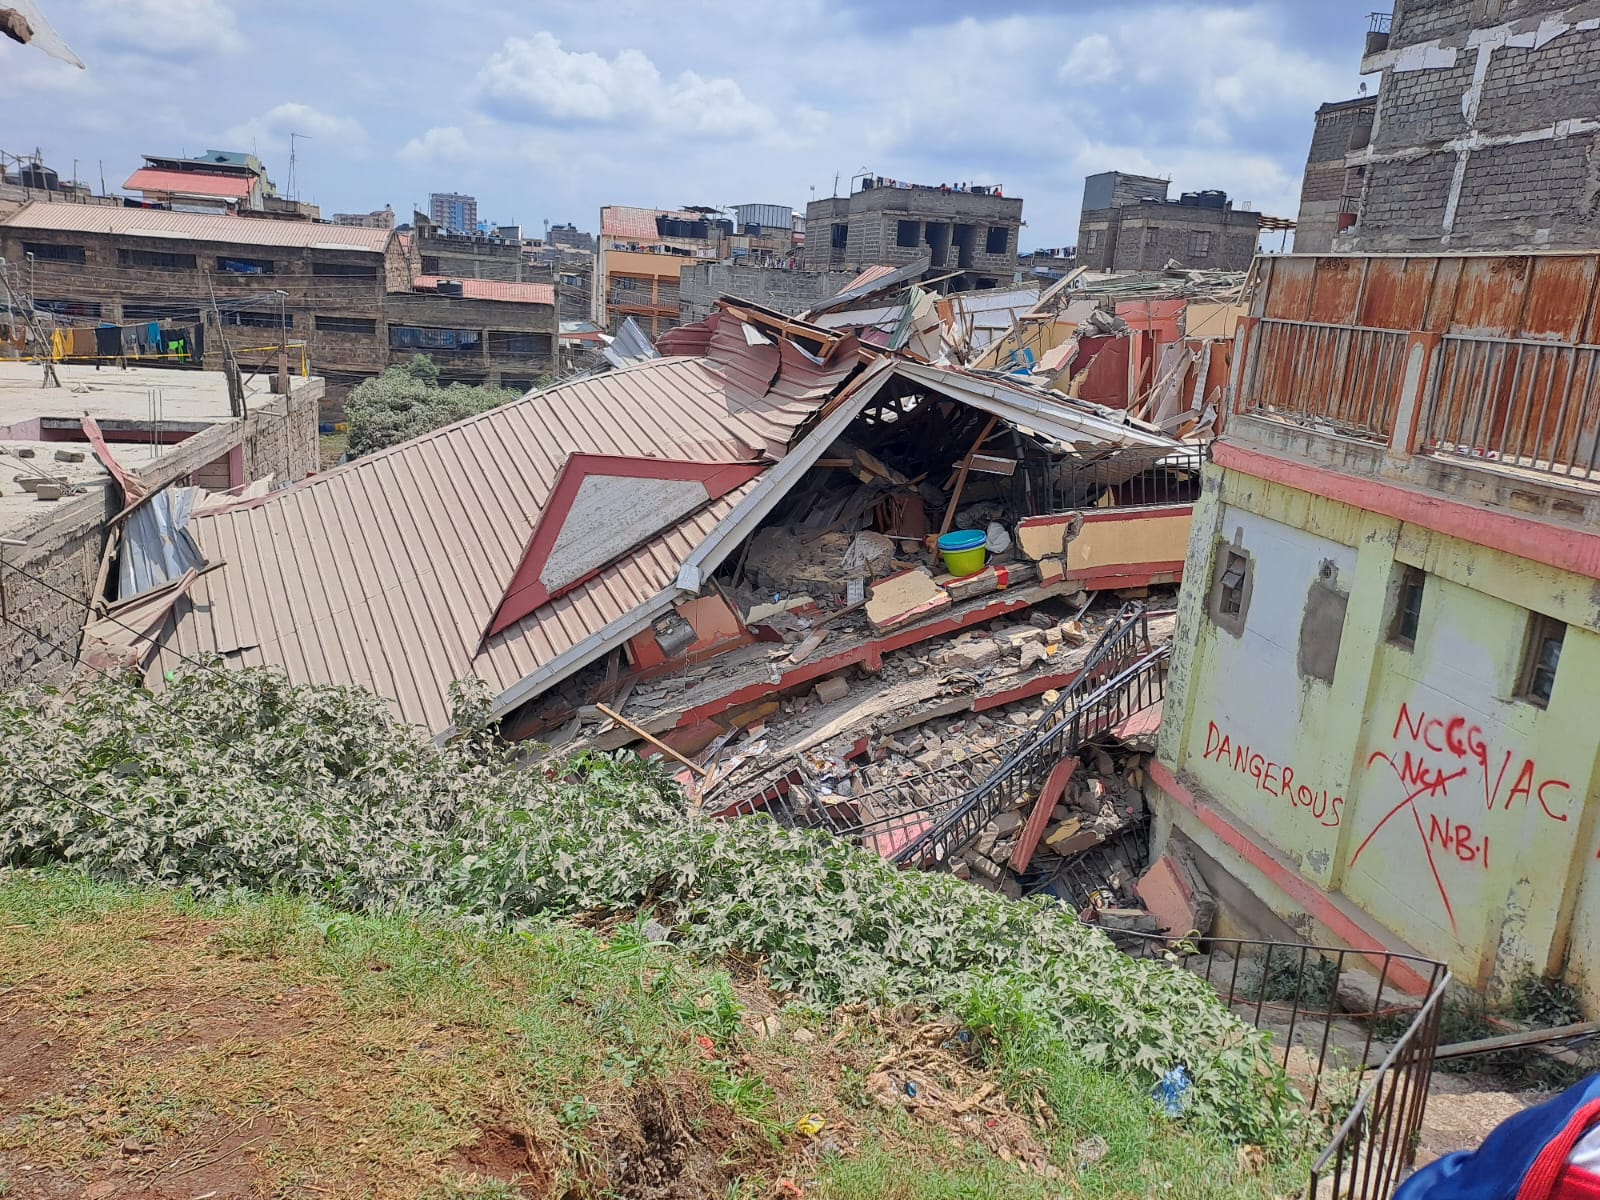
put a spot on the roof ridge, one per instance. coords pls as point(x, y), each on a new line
point(431, 435)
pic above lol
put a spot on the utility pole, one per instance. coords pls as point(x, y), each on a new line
point(230, 364)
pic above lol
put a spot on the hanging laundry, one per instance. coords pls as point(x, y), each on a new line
point(153, 337)
point(59, 344)
point(130, 341)
point(82, 343)
point(107, 341)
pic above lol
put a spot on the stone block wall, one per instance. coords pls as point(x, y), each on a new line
point(47, 586)
point(280, 438)
point(1485, 136)
point(792, 292)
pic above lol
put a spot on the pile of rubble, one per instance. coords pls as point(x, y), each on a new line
point(1090, 800)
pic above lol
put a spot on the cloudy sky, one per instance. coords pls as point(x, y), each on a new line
point(547, 109)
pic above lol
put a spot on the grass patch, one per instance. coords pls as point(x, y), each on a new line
point(304, 1048)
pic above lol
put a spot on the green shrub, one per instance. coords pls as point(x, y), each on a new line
point(239, 780)
point(406, 401)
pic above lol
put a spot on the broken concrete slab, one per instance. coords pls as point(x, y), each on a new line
point(992, 578)
point(1033, 653)
point(1357, 993)
point(1175, 892)
point(1047, 536)
point(968, 654)
point(1043, 811)
point(835, 687)
point(904, 597)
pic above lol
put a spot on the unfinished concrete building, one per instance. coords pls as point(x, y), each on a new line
point(1330, 196)
point(1486, 125)
point(1129, 224)
point(969, 237)
point(788, 290)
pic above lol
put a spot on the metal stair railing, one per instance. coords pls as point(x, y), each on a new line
point(1134, 689)
point(1125, 638)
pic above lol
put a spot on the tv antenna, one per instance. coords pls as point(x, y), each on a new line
point(294, 190)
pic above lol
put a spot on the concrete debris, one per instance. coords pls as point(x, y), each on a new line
point(835, 687)
point(1175, 891)
point(904, 597)
point(975, 653)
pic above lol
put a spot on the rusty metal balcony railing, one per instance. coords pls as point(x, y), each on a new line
point(1343, 379)
point(1527, 404)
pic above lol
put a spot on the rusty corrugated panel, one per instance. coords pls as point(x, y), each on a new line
point(384, 572)
point(745, 357)
point(1289, 296)
point(492, 289)
point(197, 227)
point(1491, 294)
point(1560, 298)
point(801, 378)
point(1335, 287)
point(689, 340)
point(1395, 293)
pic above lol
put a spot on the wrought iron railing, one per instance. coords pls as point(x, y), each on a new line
point(1363, 1064)
point(1528, 404)
point(1131, 476)
point(1343, 378)
point(1133, 690)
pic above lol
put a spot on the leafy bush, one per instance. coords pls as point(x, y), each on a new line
point(240, 780)
point(406, 401)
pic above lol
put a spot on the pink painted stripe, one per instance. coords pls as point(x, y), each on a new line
point(1538, 541)
point(1299, 889)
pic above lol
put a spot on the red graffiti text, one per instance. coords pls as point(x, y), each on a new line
point(1275, 779)
point(1459, 746)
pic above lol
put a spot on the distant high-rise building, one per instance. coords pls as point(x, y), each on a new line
point(453, 211)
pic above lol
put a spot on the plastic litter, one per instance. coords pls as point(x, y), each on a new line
point(1172, 1092)
point(997, 538)
point(809, 1125)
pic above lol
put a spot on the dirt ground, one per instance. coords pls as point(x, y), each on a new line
point(151, 1063)
point(1462, 1109)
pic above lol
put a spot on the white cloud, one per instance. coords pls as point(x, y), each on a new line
point(534, 79)
point(271, 129)
point(170, 29)
point(442, 144)
point(1092, 60)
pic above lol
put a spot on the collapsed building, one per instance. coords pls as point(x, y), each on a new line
point(727, 552)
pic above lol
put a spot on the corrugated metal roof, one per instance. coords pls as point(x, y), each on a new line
point(870, 275)
point(619, 220)
point(638, 224)
point(196, 227)
point(384, 572)
point(492, 289)
point(189, 183)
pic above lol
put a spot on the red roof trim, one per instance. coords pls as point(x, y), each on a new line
point(527, 592)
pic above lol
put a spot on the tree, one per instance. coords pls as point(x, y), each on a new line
point(406, 401)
